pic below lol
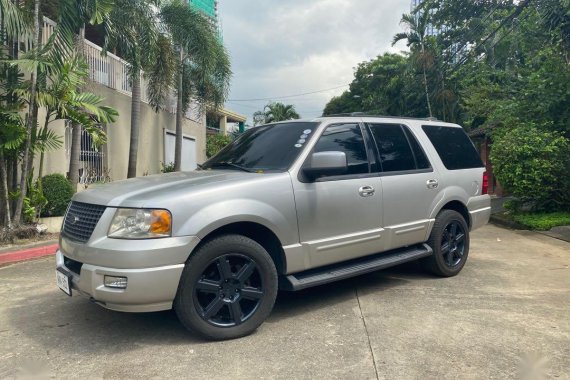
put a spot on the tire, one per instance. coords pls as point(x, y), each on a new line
point(228, 288)
point(449, 240)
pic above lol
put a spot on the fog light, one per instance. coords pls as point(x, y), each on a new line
point(116, 282)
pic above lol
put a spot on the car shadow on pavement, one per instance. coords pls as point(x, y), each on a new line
point(294, 304)
point(79, 327)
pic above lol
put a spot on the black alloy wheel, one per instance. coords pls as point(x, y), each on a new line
point(453, 243)
point(229, 291)
point(449, 240)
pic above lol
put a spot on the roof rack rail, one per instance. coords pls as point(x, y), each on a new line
point(366, 114)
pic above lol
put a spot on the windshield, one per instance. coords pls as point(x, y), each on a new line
point(271, 147)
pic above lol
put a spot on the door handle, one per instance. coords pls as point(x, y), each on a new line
point(432, 184)
point(366, 191)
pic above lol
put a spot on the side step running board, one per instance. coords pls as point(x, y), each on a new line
point(335, 272)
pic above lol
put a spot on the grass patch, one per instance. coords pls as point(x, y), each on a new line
point(543, 221)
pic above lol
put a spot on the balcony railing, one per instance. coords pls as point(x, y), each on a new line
point(112, 71)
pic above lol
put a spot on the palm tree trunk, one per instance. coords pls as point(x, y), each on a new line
point(75, 155)
point(179, 112)
point(44, 136)
point(75, 151)
point(427, 93)
point(135, 124)
point(5, 200)
point(30, 121)
point(425, 82)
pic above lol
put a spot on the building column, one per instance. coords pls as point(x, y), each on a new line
point(223, 125)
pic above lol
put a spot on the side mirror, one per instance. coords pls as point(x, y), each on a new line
point(326, 164)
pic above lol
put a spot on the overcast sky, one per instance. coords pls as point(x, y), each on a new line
point(288, 47)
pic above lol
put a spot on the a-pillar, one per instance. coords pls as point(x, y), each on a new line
point(224, 125)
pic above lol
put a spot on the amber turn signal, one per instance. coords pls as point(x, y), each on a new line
point(161, 222)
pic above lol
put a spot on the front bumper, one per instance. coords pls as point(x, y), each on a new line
point(153, 269)
point(149, 289)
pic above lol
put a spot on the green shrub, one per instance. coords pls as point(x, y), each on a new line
point(533, 165)
point(543, 221)
point(167, 168)
point(58, 192)
point(215, 143)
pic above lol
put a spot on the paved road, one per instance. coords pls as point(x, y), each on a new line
point(508, 312)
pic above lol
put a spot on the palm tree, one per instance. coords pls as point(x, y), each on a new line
point(279, 112)
point(416, 36)
point(62, 101)
point(73, 14)
point(68, 38)
point(202, 70)
point(133, 33)
point(12, 133)
point(31, 116)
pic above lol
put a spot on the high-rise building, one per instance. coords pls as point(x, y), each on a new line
point(207, 7)
point(430, 30)
point(210, 9)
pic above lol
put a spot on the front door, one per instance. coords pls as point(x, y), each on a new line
point(340, 217)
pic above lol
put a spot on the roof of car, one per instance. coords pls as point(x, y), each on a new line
point(363, 115)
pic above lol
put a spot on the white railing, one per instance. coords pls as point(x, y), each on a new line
point(49, 28)
point(112, 71)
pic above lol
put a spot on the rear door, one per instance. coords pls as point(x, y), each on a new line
point(340, 216)
point(410, 184)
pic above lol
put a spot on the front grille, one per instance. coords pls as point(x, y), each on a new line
point(72, 265)
point(80, 221)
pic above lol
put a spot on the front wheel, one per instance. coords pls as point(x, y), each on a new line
point(449, 240)
point(228, 288)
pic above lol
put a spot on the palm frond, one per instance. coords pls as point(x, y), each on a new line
point(14, 18)
point(47, 142)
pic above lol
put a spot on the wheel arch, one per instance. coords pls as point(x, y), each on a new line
point(458, 206)
point(257, 232)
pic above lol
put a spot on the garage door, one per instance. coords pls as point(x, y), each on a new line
point(188, 151)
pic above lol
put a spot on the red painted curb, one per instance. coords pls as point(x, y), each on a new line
point(27, 254)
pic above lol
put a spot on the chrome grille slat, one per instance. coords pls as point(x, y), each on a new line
point(80, 221)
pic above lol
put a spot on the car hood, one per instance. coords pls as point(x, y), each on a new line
point(150, 191)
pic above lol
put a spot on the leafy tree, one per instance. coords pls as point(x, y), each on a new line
point(259, 118)
point(384, 86)
point(202, 66)
point(279, 112)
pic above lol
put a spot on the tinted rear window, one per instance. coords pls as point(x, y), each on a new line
point(454, 147)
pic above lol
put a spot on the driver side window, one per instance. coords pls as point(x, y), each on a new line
point(345, 138)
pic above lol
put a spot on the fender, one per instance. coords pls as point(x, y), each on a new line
point(226, 212)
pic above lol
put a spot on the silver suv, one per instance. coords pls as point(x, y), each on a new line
point(285, 206)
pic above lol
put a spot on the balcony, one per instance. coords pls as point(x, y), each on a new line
point(111, 71)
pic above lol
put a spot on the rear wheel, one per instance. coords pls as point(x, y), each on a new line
point(449, 240)
point(228, 288)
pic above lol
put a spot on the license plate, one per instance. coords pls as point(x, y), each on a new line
point(63, 281)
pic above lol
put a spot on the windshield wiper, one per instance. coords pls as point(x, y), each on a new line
point(231, 165)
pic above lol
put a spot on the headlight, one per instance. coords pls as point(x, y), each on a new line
point(131, 223)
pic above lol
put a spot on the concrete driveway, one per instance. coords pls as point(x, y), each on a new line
point(506, 314)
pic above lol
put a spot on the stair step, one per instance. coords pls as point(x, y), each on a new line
point(340, 271)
